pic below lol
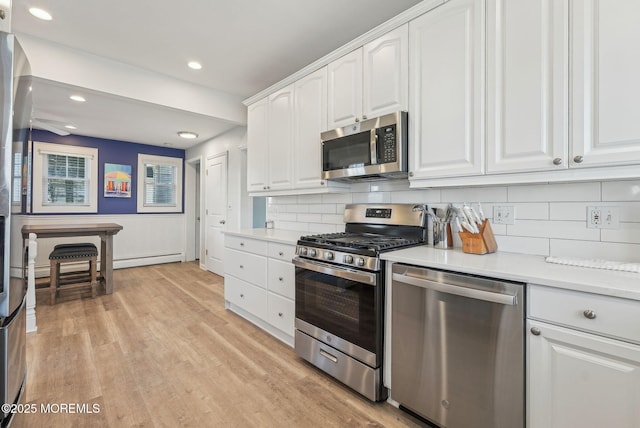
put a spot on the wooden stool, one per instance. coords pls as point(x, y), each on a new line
point(72, 253)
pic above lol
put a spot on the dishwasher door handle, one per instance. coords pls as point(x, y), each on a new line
point(472, 293)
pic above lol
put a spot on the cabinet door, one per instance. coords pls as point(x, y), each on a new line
point(257, 148)
point(386, 74)
point(581, 380)
point(446, 79)
point(310, 120)
point(527, 65)
point(280, 139)
point(605, 84)
point(345, 90)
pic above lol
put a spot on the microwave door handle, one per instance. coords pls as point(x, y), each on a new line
point(374, 147)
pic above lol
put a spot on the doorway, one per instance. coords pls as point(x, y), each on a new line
point(193, 197)
point(215, 212)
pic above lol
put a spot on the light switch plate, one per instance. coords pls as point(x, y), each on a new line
point(504, 214)
point(599, 217)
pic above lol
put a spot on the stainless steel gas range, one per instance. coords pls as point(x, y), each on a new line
point(340, 292)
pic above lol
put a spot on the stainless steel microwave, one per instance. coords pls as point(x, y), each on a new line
point(368, 150)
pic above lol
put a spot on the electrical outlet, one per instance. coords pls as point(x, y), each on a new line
point(603, 217)
point(504, 214)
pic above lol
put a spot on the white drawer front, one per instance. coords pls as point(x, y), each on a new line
point(282, 252)
point(281, 313)
point(610, 316)
point(244, 244)
point(282, 278)
point(246, 296)
point(249, 267)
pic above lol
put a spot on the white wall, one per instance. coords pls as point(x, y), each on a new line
point(550, 218)
point(145, 238)
point(233, 142)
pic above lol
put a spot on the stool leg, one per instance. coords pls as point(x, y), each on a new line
point(53, 280)
point(94, 276)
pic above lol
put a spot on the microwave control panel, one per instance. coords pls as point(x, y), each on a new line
point(387, 144)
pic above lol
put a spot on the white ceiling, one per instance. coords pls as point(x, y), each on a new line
point(244, 46)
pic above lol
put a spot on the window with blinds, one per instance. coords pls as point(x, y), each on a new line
point(160, 185)
point(66, 180)
point(16, 193)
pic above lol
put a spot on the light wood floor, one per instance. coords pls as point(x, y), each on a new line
point(162, 351)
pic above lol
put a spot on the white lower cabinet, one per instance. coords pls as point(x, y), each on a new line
point(259, 284)
point(577, 378)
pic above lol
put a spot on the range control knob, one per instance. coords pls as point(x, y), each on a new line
point(328, 255)
point(302, 251)
point(312, 252)
point(347, 259)
point(360, 261)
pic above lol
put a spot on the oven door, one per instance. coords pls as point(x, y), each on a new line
point(341, 307)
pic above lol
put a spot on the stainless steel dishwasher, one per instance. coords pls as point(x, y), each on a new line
point(457, 348)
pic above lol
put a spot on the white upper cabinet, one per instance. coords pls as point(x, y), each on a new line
point(370, 81)
point(605, 84)
point(445, 102)
point(386, 73)
point(270, 142)
point(257, 149)
point(280, 136)
point(527, 85)
point(310, 119)
point(345, 90)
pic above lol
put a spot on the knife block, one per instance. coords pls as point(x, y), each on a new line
point(479, 243)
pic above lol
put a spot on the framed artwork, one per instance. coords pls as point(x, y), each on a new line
point(117, 180)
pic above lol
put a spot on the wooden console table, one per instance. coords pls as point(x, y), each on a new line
point(104, 230)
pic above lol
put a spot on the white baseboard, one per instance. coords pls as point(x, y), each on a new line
point(31, 322)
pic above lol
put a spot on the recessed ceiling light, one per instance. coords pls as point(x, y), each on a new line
point(194, 65)
point(188, 135)
point(71, 127)
point(78, 98)
point(40, 14)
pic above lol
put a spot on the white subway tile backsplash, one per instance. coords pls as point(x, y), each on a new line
point(555, 192)
point(332, 218)
point(576, 211)
point(523, 245)
point(553, 229)
point(474, 194)
point(628, 232)
point(550, 219)
point(621, 191)
point(595, 250)
point(336, 198)
point(372, 198)
point(310, 218)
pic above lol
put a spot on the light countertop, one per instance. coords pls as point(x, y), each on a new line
point(523, 268)
point(281, 236)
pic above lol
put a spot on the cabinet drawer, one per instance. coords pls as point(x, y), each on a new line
point(609, 316)
point(243, 244)
point(282, 278)
point(246, 296)
point(282, 252)
point(281, 313)
point(248, 267)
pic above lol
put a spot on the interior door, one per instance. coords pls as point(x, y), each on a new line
point(216, 212)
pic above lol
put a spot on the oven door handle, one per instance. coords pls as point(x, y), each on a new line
point(472, 293)
point(328, 269)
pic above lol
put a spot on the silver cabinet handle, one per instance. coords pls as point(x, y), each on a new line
point(328, 356)
point(557, 161)
point(280, 314)
point(222, 222)
point(242, 244)
point(241, 266)
point(241, 296)
point(535, 331)
point(578, 159)
point(588, 313)
point(472, 293)
point(364, 117)
point(281, 253)
point(322, 183)
point(357, 120)
point(411, 174)
point(280, 279)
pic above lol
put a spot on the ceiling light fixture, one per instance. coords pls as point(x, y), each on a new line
point(188, 135)
point(40, 13)
point(194, 65)
point(71, 127)
point(78, 98)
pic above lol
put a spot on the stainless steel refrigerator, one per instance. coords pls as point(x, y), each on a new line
point(15, 92)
